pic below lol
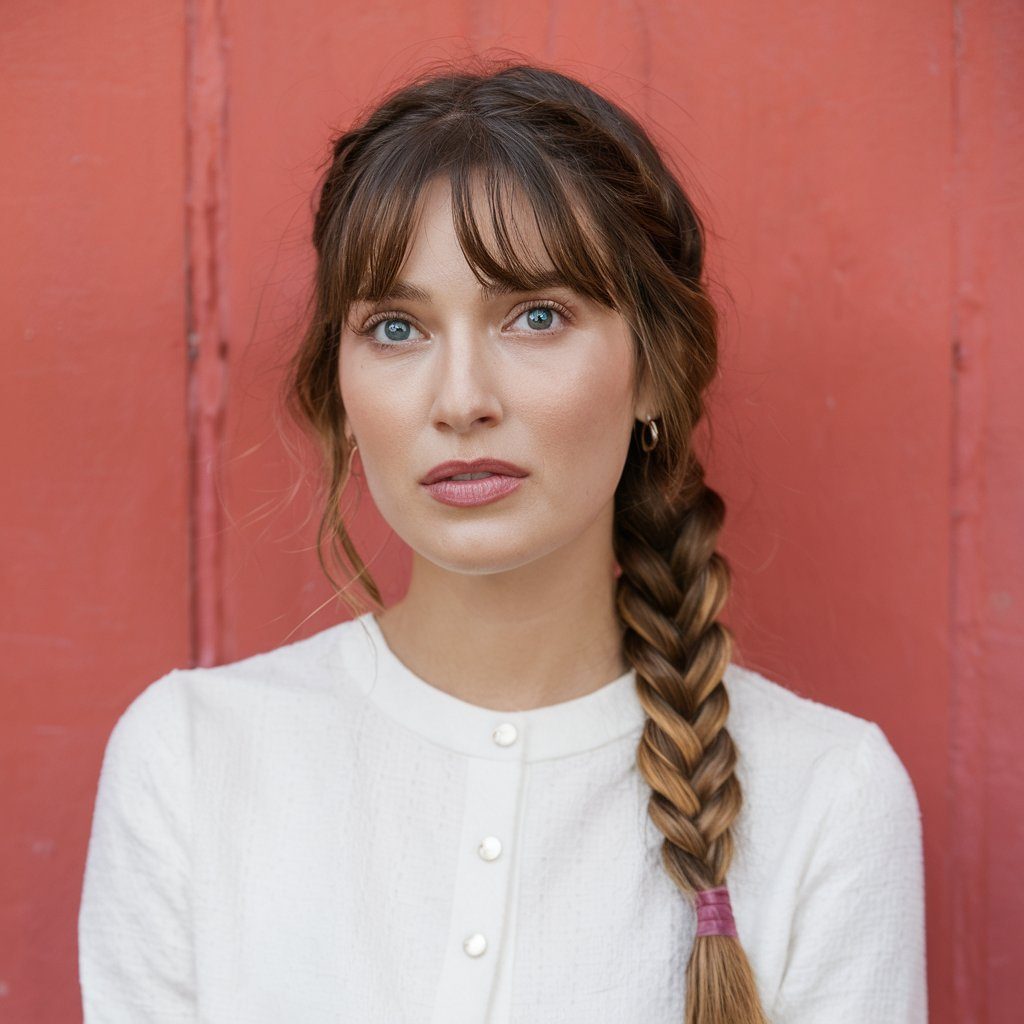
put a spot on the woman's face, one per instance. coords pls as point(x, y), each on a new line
point(540, 379)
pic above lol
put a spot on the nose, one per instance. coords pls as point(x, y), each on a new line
point(465, 385)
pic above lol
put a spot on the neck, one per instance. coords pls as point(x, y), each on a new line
point(538, 634)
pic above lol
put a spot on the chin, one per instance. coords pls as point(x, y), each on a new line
point(494, 549)
point(476, 559)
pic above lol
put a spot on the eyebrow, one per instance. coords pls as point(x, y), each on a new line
point(403, 290)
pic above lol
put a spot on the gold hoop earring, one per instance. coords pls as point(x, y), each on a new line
point(653, 426)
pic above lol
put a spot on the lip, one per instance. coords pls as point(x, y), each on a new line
point(467, 493)
point(455, 467)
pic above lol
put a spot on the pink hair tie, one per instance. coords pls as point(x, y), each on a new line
point(714, 912)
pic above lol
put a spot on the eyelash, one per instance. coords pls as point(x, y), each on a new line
point(367, 329)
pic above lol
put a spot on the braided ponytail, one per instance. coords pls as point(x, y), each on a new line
point(672, 585)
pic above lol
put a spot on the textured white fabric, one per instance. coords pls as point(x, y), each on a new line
point(295, 837)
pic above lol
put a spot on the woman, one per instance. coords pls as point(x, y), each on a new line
point(536, 788)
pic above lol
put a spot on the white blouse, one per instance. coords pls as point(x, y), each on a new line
point(316, 834)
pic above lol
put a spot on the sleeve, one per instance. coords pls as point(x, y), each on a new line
point(857, 947)
point(134, 922)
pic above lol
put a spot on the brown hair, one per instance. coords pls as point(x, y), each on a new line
point(586, 167)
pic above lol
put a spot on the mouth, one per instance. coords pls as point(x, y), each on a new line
point(465, 484)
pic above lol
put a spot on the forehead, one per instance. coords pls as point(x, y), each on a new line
point(503, 218)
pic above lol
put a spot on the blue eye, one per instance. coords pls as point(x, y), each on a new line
point(539, 318)
point(395, 329)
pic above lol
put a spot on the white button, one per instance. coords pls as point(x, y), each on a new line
point(475, 944)
point(505, 734)
point(490, 847)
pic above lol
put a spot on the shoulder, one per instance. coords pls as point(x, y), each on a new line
point(298, 678)
point(817, 754)
point(765, 712)
point(151, 728)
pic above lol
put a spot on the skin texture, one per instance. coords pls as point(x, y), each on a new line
point(510, 605)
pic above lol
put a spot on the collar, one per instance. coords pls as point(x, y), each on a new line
point(536, 734)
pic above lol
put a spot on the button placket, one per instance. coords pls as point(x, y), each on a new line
point(483, 877)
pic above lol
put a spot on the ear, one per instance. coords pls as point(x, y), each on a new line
point(346, 430)
point(645, 404)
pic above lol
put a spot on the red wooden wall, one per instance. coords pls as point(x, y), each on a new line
point(860, 167)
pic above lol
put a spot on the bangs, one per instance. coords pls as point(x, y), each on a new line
point(490, 192)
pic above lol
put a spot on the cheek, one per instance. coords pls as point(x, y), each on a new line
point(378, 416)
point(585, 424)
point(368, 397)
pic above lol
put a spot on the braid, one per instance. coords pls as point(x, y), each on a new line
point(672, 586)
